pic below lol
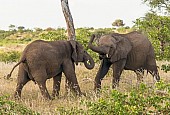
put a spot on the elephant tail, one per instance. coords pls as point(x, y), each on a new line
point(21, 61)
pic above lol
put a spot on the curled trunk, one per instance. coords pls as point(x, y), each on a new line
point(99, 49)
point(88, 61)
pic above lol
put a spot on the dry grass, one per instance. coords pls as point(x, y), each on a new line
point(31, 96)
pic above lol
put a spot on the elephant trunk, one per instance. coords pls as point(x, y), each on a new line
point(88, 61)
point(99, 49)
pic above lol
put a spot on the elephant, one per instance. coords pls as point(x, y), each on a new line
point(130, 51)
point(42, 60)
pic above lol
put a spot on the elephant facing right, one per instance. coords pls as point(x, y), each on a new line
point(131, 51)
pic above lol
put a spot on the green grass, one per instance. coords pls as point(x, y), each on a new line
point(8, 107)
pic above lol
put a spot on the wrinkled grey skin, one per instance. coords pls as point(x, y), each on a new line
point(42, 60)
point(132, 51)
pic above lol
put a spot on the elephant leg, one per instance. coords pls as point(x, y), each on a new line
point(67, 86)
point(117, 71)
point(22, 79)
point(104, 67)
point(69, 71)
point(40, 77)
point(140, 74)
point(155, 75)
point(43, 89)
point(56, 84)
point(68, 83)
point(152, 68)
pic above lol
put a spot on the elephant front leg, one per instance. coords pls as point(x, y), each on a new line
point(69, 71)
point(117, 71)
point(56, 85)
point(104, 67)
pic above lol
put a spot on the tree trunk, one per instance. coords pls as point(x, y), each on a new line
point(69, 20)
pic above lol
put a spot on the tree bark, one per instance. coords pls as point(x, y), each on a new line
point(69, 20)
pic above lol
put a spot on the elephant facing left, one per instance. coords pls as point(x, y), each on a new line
point(42, 60)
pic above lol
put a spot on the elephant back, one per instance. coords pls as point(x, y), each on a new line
point(141, 48)
point(138, 39)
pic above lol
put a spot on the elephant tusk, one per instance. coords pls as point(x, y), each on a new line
point(107, 55)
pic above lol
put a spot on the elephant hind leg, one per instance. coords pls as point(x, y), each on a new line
point(117, 71)
point(152, 68)
point(67, 87)
point(40, 77)
point(22, 79)
point(56, 85)
point(43, 89)
point(155, 75)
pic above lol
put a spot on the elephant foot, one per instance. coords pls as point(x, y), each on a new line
point(47, 97)
point(75, 94)
point(115, 86)
point(81, 94)
point(54, 97)
point(97, 87)
point(55, 94)
point(97, 92)
point(17, 96)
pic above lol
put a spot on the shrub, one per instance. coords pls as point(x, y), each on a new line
point(142, 100)
point(54, 35)
point(166, 67)
point(8, 57)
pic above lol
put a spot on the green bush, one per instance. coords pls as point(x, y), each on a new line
point(83, 36)
point(139, 101)
point(165, 68)
point(158, 30)
point(53, 35)
point(8, 107)
point(8, 57)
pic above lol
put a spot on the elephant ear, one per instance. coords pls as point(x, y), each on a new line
point(123, 47)
point(74, 54)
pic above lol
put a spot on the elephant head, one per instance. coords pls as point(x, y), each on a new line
point(80, 55)
point(112, 46)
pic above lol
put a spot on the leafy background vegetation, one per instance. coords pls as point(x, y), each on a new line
point(148, 98)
